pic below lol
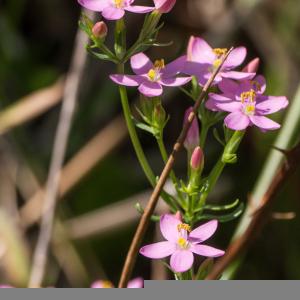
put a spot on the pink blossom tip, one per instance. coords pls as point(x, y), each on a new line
point(100, 30)
point(252, 66)
point(192, 138)
point(164, 6)
point(197, 159)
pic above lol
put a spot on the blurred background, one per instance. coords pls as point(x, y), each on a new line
point(101, 179)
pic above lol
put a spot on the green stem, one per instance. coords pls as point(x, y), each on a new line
point(229, 150)
point(203, 135)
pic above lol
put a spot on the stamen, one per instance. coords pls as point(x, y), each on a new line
point(159, 64)
point(220, 51)
point(256, 85)
point(119, 3)
point(186, 227)
point(152, 74)
point(250, 95)
point(217, 62)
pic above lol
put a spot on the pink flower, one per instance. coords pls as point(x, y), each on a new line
point(246, 104)
point(164, 6)
point(181, 244)
point(136, 283)
point(151, 77)
point(100, 30)
point(192, 138)
point(114, 9)
point(202, 60)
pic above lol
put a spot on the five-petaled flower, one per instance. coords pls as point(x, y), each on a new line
point(136, 283)
point(181, 243)
point(246, 104)
point(114, 9)
point(202, 61)
point(151, 77)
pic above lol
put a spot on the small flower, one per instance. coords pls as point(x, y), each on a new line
point(151, 77)
point(202, 61)
point(192, 137)
point(197, 159)
point(100, 30)
point(4, 286)
point(114, 9)
point(247, 104)
point(136, 283)
point(164, 6)
point(181, 243)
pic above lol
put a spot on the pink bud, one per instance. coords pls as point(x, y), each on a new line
point(164, 6)
point(178, 216)
point(100, 30)
point(192, 138)
point(252, 66)
point(197, 159)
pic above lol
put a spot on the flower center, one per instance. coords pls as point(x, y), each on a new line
point(107, 284)
point(183, 243)
point(249, 109)
point(183, 226)
point(119, 3)
point(154, 74)
point(248, 96)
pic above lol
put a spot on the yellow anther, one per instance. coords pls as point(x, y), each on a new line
point(107, 284)
point(182, 242)
point(152, 74)
point(159, 64)
point(220, 51)
point(256, 85)
point(250, 95)
point(249, 109)
point(119, 3)
point(183, 226)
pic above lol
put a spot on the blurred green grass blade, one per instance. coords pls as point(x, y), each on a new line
point(287, 137)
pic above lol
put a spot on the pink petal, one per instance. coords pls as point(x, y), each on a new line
point(200, 51)
point(237, 75)
point(252, 66)
point(113, 13)
point(136, 283)
point(264, 123)
point(168, 227)
point(228, 86)
point(158, 250)
point(175, 66)
point(150, 89)
point(95, 5)
point(220, 98)
point(235, 58)
point(230, 106)
point(140, 63)
point(271, 105)
point(181, 260)
point(237, 121)
point(128, 80)
point(164, 6)
point(175, 81)
point(139, 9)
point(206, 251)
point(211, 105)
point(204, 232)
point(262, 83)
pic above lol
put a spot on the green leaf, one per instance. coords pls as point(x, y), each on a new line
point(223, 218)
point(145, 127)
point(221, 207)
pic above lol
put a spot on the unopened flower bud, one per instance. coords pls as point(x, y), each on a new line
point(197, 159)
point(159, 116)
point(100, 30)
point(164, 6)
point(178, 216)
point(192, 138)
point(252, 66)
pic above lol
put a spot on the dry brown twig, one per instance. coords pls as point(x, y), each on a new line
point(260, 217)
point(59, 149)
point(144, 221)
